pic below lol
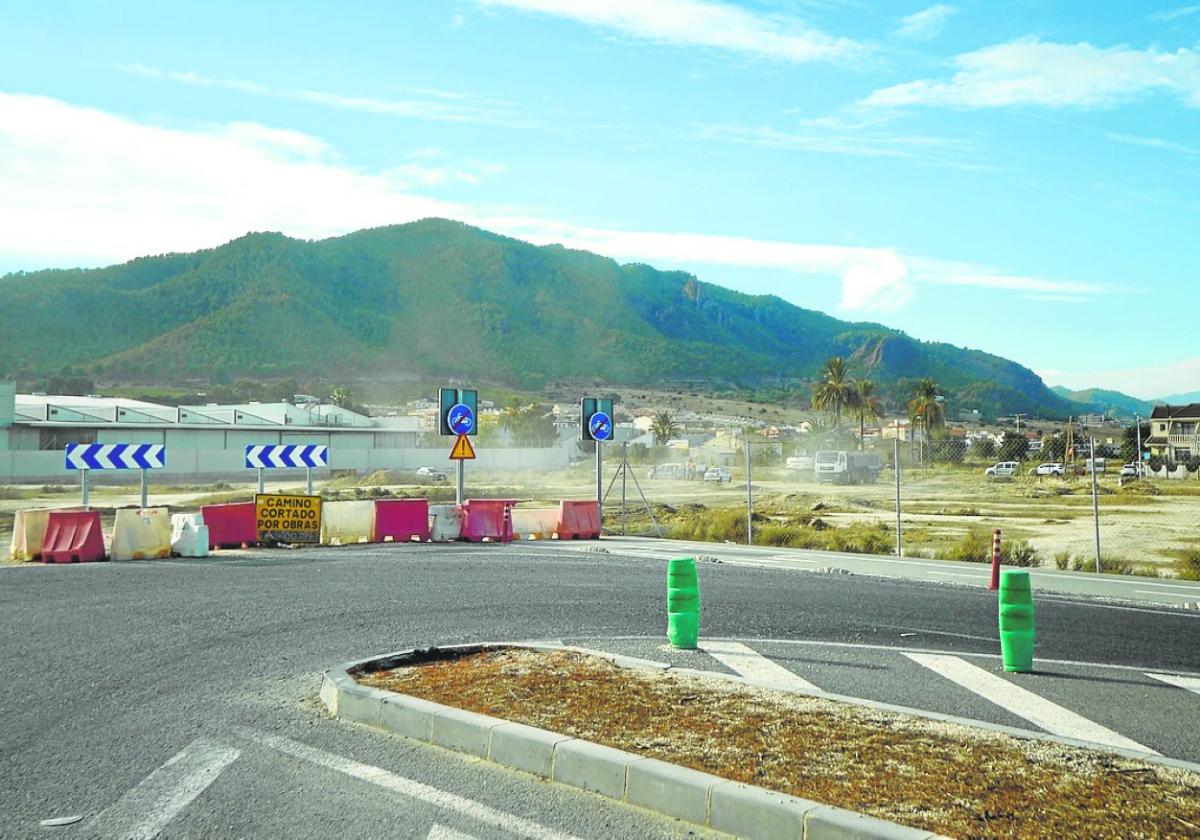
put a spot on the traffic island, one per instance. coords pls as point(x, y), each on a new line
point(753, 761)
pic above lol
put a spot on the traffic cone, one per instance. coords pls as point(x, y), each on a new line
point(1016, 621)
point(683, 603)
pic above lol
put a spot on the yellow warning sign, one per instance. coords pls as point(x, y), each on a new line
point(462, 451)
point(288, 519)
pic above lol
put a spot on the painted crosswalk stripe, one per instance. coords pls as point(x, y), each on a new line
point(407, 787)
point(1191, 684)
point(753, 665)
point(1023, 703)
point(147, 809)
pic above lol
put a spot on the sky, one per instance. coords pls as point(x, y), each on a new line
point(1019, 177)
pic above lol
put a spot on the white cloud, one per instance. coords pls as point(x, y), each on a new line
point(951, 273)
point(1174, 14)
point(1032, 72)
point(699, 23)
point(1146, 383)
point(439, 105)
point(1154, 143)
point(926, 24)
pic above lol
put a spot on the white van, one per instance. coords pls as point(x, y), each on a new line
point(1002, 469)
point(803, 461)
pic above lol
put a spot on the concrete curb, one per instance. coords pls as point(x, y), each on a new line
point(667, 789)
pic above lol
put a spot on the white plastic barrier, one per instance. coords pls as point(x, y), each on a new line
point(346, 523)
point(534, 523)
point(189, 535)
point(141, 534)
point(29, 526)
point(445, 523)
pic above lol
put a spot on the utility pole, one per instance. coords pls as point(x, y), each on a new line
point(896, 456)
point(1137, 422)
point(749, 497)
point(1095, 504)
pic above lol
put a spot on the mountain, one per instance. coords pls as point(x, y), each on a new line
point(1100, 401)
point(441, 299)
point(1181, 399)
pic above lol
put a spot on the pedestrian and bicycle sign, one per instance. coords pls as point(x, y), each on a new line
point(600, 426)
point(596, 419)
point(458, 410)
point(287, 456)
point(461, 419)
point(116, 456)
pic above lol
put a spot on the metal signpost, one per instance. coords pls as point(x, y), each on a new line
point(596, 424)
point(749, 496)
point(86, 457)
point(293, 456)
point(896, 461)
point(457, 415)
point(1095, 504)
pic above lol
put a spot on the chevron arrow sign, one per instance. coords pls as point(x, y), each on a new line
point(116, 456)
point(292, 455)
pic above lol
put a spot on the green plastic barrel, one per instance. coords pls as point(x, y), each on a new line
point(681, 573)
point(683, 603)
point(683, 629)
point(1017, 631)
point(683, 600)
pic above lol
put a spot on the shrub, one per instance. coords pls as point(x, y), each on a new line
point(1108, 565)
point(1021, 554)
point(1187, 566)
point(1062, 560)
point(976, 547)
point(7, 492)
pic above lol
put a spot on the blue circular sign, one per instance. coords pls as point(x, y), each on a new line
point(461, 419)
point(600, 426)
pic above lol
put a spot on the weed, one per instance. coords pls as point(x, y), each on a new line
point(7, 492)
point(1062, 560)
point(1187, 565)
point(975, 546)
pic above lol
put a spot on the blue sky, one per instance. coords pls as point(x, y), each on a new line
point(1006, 176)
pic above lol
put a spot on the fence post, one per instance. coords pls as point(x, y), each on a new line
point(896, 463)
point(749, 498)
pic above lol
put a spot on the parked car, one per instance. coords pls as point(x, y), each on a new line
point(1002, 469)
point(671, 470)
point(431, 474)
point(803, 461)
point(1099, 466)
point(1049, 469)
point(1129, 471)
point(719, 474)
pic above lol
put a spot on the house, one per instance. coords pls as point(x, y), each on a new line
point(1174, 433)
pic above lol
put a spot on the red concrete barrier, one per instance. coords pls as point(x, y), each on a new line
point(489, 519)
point(401, 519)
point(578, 520)
point(230, 526)
point(73, 536)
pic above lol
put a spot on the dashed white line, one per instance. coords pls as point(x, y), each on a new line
point(1191, 684)
point(407, 787)
point(1023, 703)
point(147, 809)
point(753, 665)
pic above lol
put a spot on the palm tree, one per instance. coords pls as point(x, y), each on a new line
point(869, 406)
point(835, 390)
point(926, 405)
point(663, 427)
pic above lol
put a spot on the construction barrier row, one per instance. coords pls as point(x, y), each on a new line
point(75, 536)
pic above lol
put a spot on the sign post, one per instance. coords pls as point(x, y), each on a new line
point(462, 451)
point(287, 456)
point(596, 424)
point(457, 408)
point(86, 457)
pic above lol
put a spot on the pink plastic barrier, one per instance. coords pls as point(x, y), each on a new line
point(73, 536)
point(401, 520)
point(489, 519)
point(230, 526)
point(578, 520)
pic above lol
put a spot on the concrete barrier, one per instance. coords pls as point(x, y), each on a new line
point(401, 520)
point(141, 534)
point(29, 527)
point(73, 536)
point(230, 526)
point(347, 523)
point(534, 523)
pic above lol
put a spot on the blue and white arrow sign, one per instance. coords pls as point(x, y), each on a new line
point(291, 455)
point(461, 419)
point(600, 425)
point(116, 456)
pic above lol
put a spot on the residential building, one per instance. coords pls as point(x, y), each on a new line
point(1174, 433)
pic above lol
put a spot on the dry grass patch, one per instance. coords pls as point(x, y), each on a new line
point(950, 779)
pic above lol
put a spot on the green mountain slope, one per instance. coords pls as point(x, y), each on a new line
point(1101, 401)
point(438, 298)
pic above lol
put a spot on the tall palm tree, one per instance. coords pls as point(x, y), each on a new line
point(869, 407)
point(663, 427)
point(927, 407)
point(836, 390)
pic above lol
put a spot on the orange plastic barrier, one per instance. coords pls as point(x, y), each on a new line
point(578, 520)
point(230, 526)
point(488, 519)
point(73, 536)
point(400, 520)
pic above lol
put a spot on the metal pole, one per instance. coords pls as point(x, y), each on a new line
point(624, 471)
point(308, 479)
point(83, 486)
point(896, 455)
point(1137, 420)
point(749, 497)
point(260, 480)
point(459, 483)
point(600, 484)
point(145, 491)
point(1095, 505)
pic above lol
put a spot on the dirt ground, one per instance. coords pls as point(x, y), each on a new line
point(941, 777)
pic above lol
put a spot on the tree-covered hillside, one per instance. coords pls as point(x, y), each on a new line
point(441, 299)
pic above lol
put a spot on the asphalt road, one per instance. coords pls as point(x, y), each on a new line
point(179, 697)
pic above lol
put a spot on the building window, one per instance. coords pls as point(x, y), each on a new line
point(1185, 429)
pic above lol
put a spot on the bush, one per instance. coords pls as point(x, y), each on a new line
point(976, 547)
point(1108, 565)
point(1062, 560)
point(1187, 566)
point(7, 492)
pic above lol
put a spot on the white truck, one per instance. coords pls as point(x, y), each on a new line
point(838, 466)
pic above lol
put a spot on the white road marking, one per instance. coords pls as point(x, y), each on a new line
point(407, 787)
point(1025, 704)
point(980, 578)
point(1191, 684)
point(147, 809)
point(1166, 594)
point(440, 832)
point(753, 665)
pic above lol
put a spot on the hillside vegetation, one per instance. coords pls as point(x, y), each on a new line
point(438, 298)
